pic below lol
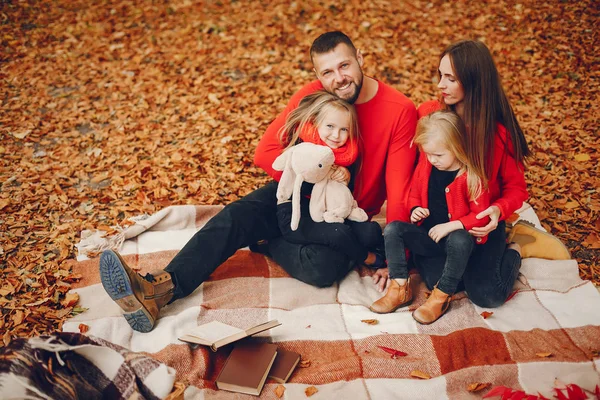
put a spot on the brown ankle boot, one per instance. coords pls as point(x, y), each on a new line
point(435, 306)
point(396, 296)
point(140, 298)
point(537, 243)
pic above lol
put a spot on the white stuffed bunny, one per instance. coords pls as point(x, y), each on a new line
point(330, 201)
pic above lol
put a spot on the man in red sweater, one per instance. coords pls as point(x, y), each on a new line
point(387, 121)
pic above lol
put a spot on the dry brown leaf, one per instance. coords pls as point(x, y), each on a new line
point(309, 391)
point(70, 300)
point(370, 321)
point(279, 391)
point(83, 328)
point(420, 374)
point(304, 363)
point(476, 387)
point(544, 355)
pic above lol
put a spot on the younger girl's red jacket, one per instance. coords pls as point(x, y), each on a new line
point(460, 206)
point(507, 186)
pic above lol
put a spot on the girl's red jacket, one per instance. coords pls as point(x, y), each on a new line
point(507, 186)
point(460, 206)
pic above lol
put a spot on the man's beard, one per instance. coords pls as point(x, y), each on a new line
point(352, 99)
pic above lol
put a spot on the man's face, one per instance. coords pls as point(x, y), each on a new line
point(340, 72)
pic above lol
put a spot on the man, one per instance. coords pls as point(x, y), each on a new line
point(387, 121)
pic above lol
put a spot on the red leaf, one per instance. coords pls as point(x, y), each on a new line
point(574, 392)
point(540, 397)
point(497, 391)
point(486, 314)
point(517, 395)
point(511, 295)
point(560, 395)
point(597, 392)
point(395, 353)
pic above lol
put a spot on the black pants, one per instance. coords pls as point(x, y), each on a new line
point(490, 274)
point(455, 249)
point(354, 239)
point(245, 222)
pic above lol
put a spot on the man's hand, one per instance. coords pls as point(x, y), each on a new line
point(381, 278)
point(418, 214)
point(340, 174)
point(494, 213)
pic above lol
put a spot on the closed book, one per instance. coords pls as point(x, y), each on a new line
point(216, 334)
point(284, 365)
point(247, 367)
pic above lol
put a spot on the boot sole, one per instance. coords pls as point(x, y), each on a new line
point(117, 284)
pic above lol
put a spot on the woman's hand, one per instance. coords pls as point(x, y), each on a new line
point(381, 278)
point(418, 214)
point(494, 213)
point(340, 174)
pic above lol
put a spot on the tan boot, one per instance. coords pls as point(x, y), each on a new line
point(396, 296)
point(140, 298)
point(537, 243)
point(435, 306)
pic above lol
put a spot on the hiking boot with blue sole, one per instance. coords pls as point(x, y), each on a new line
point(140, 298)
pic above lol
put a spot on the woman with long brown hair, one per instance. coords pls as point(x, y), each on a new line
point(470, 86)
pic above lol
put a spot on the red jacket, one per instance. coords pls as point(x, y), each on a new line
point(460, 206)
point(507, 186)
point(387, 125)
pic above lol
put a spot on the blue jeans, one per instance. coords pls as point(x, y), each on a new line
point(490, 274)
point(245, 222)
point(455, 249)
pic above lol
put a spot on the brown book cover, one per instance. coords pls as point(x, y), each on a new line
point(284, 365)
point(216, 334)
point(247, 367)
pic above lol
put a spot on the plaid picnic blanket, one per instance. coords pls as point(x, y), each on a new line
point(550, 329)
point(74, 366)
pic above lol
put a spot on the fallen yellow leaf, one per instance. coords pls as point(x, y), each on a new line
point(476, 387)
point(420, 374)
point(370, 321)
point(310, 391)
point(544, 355)
point(582, 157)
point(279, 391)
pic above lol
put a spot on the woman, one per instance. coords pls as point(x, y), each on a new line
point(471, 87)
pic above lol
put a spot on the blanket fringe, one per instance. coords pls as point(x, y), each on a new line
point(94, 242)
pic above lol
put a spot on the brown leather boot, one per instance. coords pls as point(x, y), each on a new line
point(536, 243)
point(396, 296)
point(140, 298)
point(435, 306)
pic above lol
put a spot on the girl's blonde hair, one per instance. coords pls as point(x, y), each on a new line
point(448, 128)
point(312, 110)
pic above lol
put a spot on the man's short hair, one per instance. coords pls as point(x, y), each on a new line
point(329, 41)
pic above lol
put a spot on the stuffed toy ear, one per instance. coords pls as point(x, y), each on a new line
point(286, 183)
point(317, 204)
point(296, 202)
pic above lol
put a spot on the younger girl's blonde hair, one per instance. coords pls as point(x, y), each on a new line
point(448, 128)
point(312, 110)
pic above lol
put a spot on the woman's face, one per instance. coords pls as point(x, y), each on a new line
point(452, 91)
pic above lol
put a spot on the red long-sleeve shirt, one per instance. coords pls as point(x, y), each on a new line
point(507, 186)
point(460, 206)
point(387, 125)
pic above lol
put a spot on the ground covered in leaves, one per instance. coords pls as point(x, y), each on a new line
point(112, 109)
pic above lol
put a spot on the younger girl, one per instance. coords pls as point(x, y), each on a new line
point(327, 120)
point(445, 196)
